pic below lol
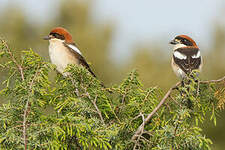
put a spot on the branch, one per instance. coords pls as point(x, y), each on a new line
point(96, 107)
point(25, 125)
point(27, 110)
point(141, 132)
point(213, 81)
point(167, 95)
point(74, 84)
point(141, 127)
point(88, 95)
point(13, 59)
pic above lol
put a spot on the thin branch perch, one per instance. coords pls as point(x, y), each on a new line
point(138, 132)
point(141, 127)
point(13, 59)
point(96, 107)
point(27, 110)
point(213, 81)
point(25, 124)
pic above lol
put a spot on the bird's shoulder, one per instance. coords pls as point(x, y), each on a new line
point(188, 51)
point(76, 52)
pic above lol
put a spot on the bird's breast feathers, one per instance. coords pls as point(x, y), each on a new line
point(61, 56)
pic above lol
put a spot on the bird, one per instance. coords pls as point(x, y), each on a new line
point(186, 56)
point(63, 51)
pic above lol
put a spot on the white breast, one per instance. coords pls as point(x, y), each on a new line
point(60, 55)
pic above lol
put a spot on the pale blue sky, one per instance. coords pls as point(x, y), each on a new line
point(141, 20)
point(156, 20)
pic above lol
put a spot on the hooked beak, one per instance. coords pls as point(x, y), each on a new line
point(174, 42)
point(47, 38)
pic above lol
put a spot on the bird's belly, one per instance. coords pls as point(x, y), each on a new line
point(61, 58)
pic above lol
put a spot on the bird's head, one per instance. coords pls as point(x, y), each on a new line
point(59, 34)
point(183, 41)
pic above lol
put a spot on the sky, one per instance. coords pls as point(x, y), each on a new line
point(150, 20)
point(143, 21)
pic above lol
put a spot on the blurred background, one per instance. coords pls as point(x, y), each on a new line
point(118, 36)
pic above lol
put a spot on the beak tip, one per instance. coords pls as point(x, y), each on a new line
point(173, 42)
point(46, 38)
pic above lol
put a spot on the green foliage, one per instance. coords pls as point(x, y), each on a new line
point(95, 40)
point(77, 112)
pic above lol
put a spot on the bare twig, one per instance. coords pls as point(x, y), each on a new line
point(74, 84)
point(140, 115)
point(124, 95)
point(148, 93)
point(213, 81)
point(35, 76)
point(141, 127)
point(147, 119)
point(96, 107)
point(114, 112)
point(175, 101)
point(141, 132)
point(27, 109)
point(25, 125)
point(13, 59)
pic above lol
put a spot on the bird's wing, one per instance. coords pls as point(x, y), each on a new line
point(187, 59)
point(72, 47)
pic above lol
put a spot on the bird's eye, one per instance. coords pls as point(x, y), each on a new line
point(184, 40)
point(58, 36)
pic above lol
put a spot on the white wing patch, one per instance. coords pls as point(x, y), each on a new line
point(73, 47)
point(196, 55)
point(179, 55)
